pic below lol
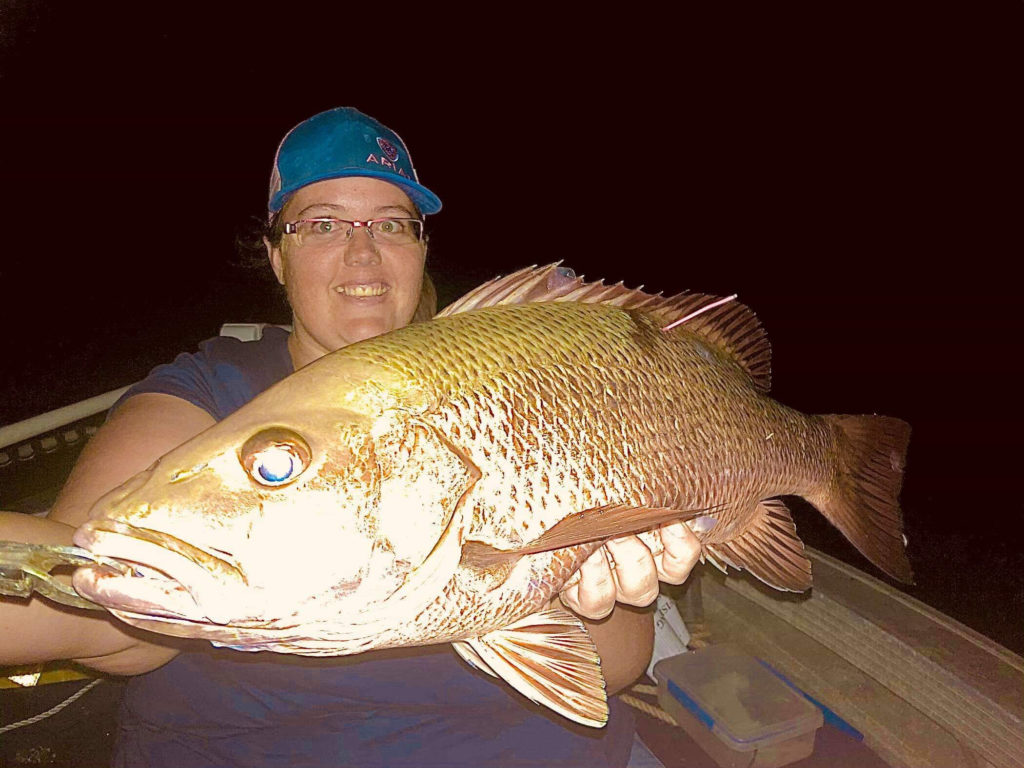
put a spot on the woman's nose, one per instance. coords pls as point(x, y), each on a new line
point(361, 249)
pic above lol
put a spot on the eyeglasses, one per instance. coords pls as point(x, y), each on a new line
point(325, 231)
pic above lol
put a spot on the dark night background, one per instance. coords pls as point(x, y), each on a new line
point(851, 172)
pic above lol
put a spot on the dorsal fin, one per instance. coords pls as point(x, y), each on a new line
point(732, 327)
point(532, 284)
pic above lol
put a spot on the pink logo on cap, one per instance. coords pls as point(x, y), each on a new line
point(390, 150)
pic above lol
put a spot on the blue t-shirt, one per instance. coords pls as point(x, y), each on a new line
point(420, 707)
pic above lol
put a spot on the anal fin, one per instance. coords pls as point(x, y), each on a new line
point(768, 548)
point(548, 657)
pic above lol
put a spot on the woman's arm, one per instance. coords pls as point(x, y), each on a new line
point(138, 433)
point(143, 429)
point(625, 642)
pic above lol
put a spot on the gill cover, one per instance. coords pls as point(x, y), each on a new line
point(424, 477)
point(424, 481)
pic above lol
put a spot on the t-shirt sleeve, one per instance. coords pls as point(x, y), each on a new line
point(221, 377)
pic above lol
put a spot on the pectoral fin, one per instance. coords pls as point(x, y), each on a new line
point(590, 525)
point(549, 658)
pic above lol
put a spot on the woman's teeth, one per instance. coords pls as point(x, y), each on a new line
point(363, 290)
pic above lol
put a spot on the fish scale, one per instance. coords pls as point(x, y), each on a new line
point(648, 459)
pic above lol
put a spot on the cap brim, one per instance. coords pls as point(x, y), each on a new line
point(427, 202)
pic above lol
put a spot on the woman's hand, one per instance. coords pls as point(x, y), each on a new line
point(625, 570)
point(144, 428)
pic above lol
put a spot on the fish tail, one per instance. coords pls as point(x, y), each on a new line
point(862, 500)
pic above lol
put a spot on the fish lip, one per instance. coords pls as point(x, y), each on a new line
point(89, 535)
point(161, 598)
point(212, 582)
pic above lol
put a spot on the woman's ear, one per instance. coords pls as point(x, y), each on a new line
point(276, 260)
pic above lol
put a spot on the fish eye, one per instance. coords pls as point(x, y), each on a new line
point(275, 456)
point(275, 465)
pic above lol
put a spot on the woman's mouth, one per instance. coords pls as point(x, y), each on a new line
point(363, 290)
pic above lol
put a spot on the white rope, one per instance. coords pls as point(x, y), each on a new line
point(52, 711)
point(650, 709)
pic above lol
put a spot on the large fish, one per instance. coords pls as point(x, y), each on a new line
point(442, 482)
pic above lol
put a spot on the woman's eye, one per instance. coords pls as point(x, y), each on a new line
point(275, 465)
point(323, 227)
point(389, 227)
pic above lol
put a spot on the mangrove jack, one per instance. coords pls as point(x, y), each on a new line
point(442, 482)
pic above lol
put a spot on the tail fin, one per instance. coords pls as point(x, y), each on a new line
point(863, 502)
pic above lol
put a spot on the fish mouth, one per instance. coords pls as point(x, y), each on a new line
point(169, 577)
point(363, 290)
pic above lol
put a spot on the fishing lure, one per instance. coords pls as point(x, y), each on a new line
point(26, 568)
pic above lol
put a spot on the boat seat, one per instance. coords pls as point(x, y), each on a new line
point(248, 331)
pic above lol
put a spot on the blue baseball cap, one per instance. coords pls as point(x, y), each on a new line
point(344, 142)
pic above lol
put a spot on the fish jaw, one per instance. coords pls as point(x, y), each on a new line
point(341, 620)
point(281, 574)
point(171, 578)
point(175, 583)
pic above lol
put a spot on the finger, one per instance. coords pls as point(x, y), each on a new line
point(634, 571)
point(681, 552)
point(570, 594)
point(593, 596)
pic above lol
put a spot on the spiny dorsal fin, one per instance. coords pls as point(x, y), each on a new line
point(532, 284)
point(731, 326)
point(769, 549)
point(550, 659)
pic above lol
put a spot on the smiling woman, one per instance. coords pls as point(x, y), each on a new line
point(344, 289)
point(346, 241)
